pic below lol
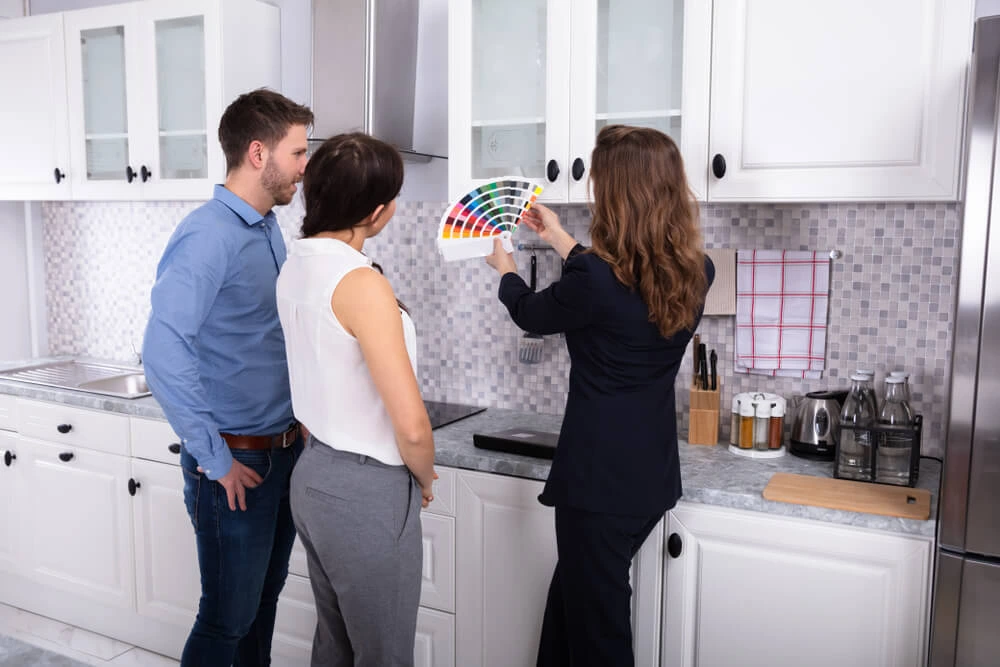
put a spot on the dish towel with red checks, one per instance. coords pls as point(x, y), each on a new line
point(781, 303)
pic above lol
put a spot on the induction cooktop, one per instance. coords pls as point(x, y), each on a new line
point(442, 414)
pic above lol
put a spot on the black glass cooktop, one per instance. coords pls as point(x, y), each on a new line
point(442, 414)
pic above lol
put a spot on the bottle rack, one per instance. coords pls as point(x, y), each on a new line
point(704, 415)
point(876, 433)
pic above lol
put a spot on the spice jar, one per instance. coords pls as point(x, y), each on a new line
point(777, 425)
point(746, 425)
point(734, 428)
point(761, 426)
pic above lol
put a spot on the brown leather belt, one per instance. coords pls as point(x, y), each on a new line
point(279, 441)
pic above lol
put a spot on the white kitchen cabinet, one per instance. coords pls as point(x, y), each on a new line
point(749, 589)
point(34, 130)
point(532, 81)
point(506, 552)
point(8, 501)
point(852, 100)
point(435, 641)
point(147, 84)
point(8, 416)
point(167, 583)
point(74, 520)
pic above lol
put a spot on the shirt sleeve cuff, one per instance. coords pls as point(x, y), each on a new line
point(219, 462)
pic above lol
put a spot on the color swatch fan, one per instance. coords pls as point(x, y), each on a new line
point(492, 210)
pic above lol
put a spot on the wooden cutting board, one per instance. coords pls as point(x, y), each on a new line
point(842, 494)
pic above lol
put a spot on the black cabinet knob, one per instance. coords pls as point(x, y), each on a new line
point(174, 448)
point(133, 486)
point(719, 165)
point(144, 173)
point(8, 457)
point(64, 428)
point(66, 457)
point(552, 171)
point(674, 545)
point(578, 169)
point(130, 173)
point(58, 175)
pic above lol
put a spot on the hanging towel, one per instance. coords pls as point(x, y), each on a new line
point(781, 308)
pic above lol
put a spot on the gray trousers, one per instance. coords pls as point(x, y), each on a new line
point(359, 521)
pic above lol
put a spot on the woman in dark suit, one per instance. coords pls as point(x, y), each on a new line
point(628, 305)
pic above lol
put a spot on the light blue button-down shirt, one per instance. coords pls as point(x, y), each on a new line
point(214, 352)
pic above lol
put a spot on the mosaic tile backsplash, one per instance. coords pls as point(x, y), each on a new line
point(891, 300)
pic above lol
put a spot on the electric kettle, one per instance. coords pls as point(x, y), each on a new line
point(814, 430)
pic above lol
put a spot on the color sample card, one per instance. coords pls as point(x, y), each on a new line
point(469, 226)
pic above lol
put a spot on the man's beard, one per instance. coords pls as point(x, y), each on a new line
point(276, 184)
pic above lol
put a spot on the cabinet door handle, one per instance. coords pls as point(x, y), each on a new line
point(8, 457)
point(130, 173)
point(66, 457)
point(133, 486)
point(719, 165)
point(578, 169)
point(175, 448)
point(64, 428)
point(144, 173)
point(552, 171)
point(58, 175)
point(674, 545)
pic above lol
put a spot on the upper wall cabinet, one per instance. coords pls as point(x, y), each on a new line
point(850, 100)
point(34, 162)
point(769, 100)
point(147, 84)
point(532, 81)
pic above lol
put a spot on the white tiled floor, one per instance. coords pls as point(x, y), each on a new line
point(86, 647)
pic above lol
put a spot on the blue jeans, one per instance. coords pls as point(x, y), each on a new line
point(243, 557)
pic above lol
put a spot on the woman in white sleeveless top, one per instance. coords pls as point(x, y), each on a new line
point(357, 490)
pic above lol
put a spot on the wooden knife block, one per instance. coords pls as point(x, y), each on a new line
point(704, 415)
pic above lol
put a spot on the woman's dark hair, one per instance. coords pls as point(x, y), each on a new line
point(346, 179)
point(260, 115)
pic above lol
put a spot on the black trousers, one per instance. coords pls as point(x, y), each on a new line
point(588, 620)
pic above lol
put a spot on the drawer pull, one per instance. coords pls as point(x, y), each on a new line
point(133, 486)
point(66, 457)
point(64, 428)
point(175, 448)
point(8, 457)
point(674, 545)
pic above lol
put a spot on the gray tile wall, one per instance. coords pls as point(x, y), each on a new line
point(891, 302)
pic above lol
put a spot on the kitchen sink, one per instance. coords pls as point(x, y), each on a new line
point(94, 377)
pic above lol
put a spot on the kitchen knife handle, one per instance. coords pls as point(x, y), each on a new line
point(696, 368)
point(715, 375)
point(704, 373)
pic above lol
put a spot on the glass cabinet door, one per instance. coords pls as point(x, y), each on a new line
point(105, 103)
point(510, 52)
point(639, 64)
point(182, 133)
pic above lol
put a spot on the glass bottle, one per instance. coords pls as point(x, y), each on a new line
point(777, 425)
point(906, 385)
point(746, 425)
point(895, 448)
point(761, 426)
point(854, 449)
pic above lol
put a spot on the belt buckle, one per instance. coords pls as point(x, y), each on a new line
point(288, 437)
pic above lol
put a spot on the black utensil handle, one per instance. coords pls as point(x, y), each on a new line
point(714, 358)
point(533, 277)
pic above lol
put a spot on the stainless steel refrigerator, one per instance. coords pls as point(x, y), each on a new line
point(966, 613)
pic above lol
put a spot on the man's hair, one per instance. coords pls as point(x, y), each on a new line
point(260, 115)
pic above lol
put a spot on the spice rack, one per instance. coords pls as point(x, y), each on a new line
point(704, 415)
point(757, 430)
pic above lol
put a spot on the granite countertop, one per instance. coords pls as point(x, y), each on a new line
point(711, 475)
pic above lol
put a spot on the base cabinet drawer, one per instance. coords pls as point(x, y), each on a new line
point(154, 440)
point(8, 418)
point(62, 424)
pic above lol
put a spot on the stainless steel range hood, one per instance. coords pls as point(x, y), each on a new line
point(381, 67)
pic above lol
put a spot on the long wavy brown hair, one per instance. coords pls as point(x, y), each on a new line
point(645, 223)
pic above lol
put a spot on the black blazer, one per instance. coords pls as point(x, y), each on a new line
point(617, 449)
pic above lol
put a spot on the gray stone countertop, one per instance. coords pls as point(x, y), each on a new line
point(711, 475)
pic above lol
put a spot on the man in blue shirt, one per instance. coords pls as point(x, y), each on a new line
point(215, 360)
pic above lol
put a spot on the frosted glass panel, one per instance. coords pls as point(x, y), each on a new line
point(180, 79)
point(508, 87)
point(639, 63)
point(105, 109)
